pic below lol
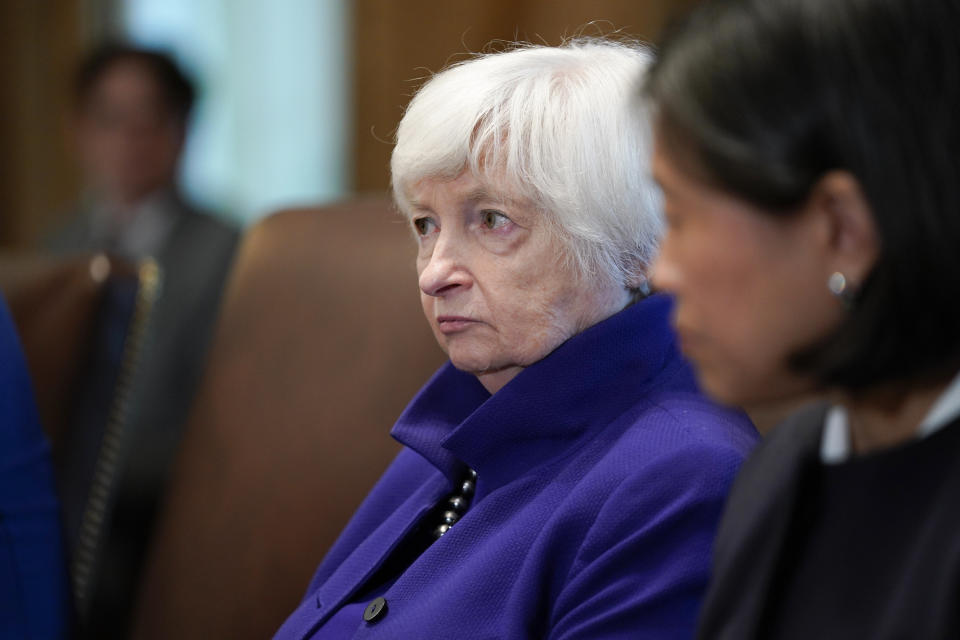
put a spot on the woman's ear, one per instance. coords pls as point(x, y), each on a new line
point(846, 219)
point(639, 282)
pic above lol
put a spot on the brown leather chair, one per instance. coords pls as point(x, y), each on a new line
point(321, 342)
point(82, 320)
point(54, 302)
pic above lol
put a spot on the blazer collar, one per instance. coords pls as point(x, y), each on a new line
point(587, 381)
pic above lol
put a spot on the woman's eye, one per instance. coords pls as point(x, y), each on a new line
point(493, 219)
point(423, 225)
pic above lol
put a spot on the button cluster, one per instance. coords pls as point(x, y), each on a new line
point(457, 504)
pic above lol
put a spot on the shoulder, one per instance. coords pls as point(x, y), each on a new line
point(197, 255)
point(771, 473)
point(667, 464)
point(638, 527)
point(674, 455)
point(682, 431)
point(765, 488)
point(670, 417)
point(206, 228)
point(795, 439)
point(755, 518)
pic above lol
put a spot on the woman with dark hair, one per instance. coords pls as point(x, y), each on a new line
point(809, 154)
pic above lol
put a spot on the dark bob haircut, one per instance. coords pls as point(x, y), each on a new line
point(762, 97)
point(176, 89)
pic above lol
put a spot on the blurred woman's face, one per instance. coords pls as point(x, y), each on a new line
point(494, 284)
point(750, 287)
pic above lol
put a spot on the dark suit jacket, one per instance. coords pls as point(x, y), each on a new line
point(762, 512)
point(755, 525)
point(194, 261)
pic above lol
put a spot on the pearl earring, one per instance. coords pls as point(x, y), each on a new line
point(837, 283)
point(839, 287)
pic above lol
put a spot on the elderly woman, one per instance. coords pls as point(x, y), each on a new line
point(562, 477)
point(809, 152)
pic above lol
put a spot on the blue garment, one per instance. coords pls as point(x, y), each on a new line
point(601, 476)
point(33, 581)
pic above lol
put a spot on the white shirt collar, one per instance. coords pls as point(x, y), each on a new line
point(835, 442)
point(140, 231)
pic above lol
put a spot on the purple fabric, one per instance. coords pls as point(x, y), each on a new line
point(33, 572)
point(601, 476)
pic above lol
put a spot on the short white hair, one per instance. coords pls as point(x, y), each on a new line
point(568, 129)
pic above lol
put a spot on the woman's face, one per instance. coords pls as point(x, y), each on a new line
point(750, 288)
point(494, 285)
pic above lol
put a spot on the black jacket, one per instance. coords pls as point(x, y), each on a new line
point(761, 514)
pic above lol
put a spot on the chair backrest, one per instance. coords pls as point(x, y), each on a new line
point(320, 344)
point(54, 302)
point(82, 320)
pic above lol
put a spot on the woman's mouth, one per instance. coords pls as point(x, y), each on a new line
point(454, 324)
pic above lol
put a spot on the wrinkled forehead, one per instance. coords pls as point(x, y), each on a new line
point(481, 148)
point(466, 186)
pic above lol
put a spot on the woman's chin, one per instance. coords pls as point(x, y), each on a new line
point(734, 390)
point(472, 364)
point(718, 390)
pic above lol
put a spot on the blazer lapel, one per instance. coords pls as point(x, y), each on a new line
point(754, 527)
point(363, 562)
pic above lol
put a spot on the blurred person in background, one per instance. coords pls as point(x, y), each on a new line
point(131, 116)
point(561, 476)
point(809, 154)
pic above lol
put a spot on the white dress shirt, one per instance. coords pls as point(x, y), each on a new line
point(138, 232)
point(835, 442)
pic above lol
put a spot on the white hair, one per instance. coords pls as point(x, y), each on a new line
point(567, 128)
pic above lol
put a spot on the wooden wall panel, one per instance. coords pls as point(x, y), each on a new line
point(39, 49)
point(398, 42)
point(41, 42)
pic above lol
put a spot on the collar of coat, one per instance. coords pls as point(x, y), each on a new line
point(538, 415)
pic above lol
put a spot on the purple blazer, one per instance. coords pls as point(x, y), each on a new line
point(34, 600)
point(601, 474)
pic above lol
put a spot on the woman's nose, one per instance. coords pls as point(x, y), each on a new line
point(444, 271)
